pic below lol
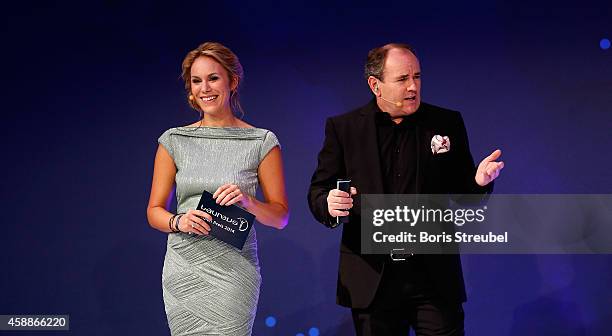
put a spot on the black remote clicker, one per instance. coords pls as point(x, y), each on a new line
point(344, 185)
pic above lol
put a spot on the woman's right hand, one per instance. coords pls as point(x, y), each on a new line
point(193, 222)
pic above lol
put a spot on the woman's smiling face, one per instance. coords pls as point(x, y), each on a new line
point(211, 86)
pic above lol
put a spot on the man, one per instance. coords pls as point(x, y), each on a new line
point(386, 147)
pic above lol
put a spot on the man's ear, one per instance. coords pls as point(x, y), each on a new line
point(373, 84)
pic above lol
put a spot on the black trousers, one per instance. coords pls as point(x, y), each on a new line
point(405, 300)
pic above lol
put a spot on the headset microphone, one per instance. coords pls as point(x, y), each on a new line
point(397, 104)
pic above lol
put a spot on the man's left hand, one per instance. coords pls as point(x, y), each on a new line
point(488, 169)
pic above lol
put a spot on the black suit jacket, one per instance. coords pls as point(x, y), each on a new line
point(351, 151)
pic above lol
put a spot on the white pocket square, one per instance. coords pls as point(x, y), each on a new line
point(440, 144)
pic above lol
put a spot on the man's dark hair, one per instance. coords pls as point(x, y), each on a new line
point(375, 63)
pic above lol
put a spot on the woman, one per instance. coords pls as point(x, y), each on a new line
point(210, 287)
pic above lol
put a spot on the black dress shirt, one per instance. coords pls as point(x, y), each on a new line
point(397, 146)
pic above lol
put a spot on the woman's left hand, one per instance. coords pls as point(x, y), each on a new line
point(229, 194)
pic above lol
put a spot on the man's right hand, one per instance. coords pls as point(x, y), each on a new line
point(339, 202)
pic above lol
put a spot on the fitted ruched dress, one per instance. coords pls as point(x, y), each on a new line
point(210, 287)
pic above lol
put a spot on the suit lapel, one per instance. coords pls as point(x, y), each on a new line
point(423, 147)
point(425, 133)
point(370, 157)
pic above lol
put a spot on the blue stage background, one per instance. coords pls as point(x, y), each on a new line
point(88, 87)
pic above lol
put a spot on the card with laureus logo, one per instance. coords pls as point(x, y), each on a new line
point(230, 224)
